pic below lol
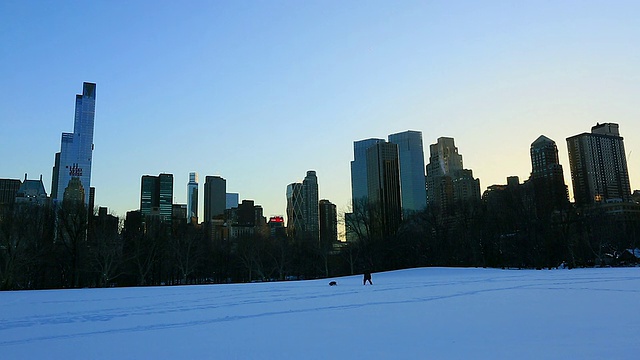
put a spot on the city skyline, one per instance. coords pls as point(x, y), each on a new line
point(279, 88)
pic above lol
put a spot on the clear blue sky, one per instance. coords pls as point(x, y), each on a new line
point(259, 92)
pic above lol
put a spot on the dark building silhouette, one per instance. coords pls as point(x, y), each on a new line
point(215, 197)
point(547, 178)
point(383, 182)
point(8, 190)
point(156, 196)
point(448, 183)
point(599, 166)
point(328, 224)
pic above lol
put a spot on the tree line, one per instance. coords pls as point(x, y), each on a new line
point(67, 246)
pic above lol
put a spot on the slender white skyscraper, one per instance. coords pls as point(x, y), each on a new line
point(192, 196)
point(76, 149)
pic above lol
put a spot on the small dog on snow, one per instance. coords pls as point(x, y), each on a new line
point(333, 283)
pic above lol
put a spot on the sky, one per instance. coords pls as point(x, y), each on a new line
point(259, 92)
point(427, 313)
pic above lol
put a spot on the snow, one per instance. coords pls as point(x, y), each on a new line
point(427, 313)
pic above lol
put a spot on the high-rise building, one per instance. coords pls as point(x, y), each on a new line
point(8, 190)
point(599, 166)
point(76, 149)
point(192, 196)
point(412, 170)
point(443, 161)
point(302, 209)
point(328, 224)
point(448, 183)
point(215, 197)
point(547, 178)
point(295, 210)
point(383, 183)
point(156, 196)
point(233, 199)
point(310, 200)
point(359, 187)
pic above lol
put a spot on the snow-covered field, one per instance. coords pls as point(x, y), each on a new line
point(429, 313)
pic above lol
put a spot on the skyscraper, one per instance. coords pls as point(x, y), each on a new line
point(192, 196)
point(302, 209)
point(412, 170)
point(310, 200)
point(599, 166)
point(76, 149)
point(156, 196)
point(215, 197)
point(295, 211)
point(448, 182)
point(233, 199)
point(328, 224)
point(359, 189)
point(549, 189)
point(383, 183)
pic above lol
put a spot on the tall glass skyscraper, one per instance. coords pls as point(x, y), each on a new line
point(359, 189)
point(192, 196)
point(383, 182)
point(412, 177)
point(76, 149)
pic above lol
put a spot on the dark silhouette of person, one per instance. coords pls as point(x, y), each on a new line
point(367, 277)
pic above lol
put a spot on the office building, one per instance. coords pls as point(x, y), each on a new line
point(76, 149)
point(359, 187)
point(547, 178)
point(383, 183)
point(215, 197)
point(156, 196)
point(328, 224)
point(192, 197)
point(233, 199)
point(412, 170)
point(295, 210)
point(8, 190)
point(599, 166)
point(302, 209)
point(448, 183)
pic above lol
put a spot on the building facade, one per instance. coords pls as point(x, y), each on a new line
point(192, 197)
point(156, 196)
point(76, 150)
point(32, 192)
point(295, 209)
point(310, 200)
point(412, 170)
point(359, 187)
point(233, 199)
point(383, 183)
point(448, 183)
point(547, 178)
point(328, 224)
point(215, 197)
point(598, 166)
point(8, 190)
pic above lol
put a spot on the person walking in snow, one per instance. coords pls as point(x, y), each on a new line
point(367, 277)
